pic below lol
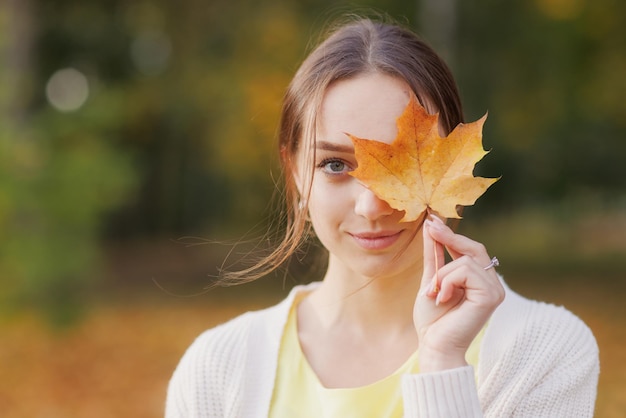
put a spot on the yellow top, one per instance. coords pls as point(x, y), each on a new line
point(299, 393)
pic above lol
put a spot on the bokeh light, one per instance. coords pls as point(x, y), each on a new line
point(67, 90)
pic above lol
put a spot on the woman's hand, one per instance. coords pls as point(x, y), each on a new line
point(455, 299)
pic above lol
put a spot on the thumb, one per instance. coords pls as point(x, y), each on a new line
point(434, 258)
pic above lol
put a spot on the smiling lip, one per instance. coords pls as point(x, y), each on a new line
point(376, 241)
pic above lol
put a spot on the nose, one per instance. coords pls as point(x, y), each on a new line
point(371, 206)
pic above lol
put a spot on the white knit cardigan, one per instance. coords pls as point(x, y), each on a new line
point(536, 360)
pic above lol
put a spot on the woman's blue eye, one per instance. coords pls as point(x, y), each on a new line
point(332, 166)
point(335, 166)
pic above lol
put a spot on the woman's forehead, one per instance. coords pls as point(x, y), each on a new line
point(366, 106)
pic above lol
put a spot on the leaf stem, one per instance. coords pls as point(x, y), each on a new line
point(435, 284)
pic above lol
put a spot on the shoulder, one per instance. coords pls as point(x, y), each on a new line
point(224, 347)
point(214, 366)
point(537, 359)
point(209, 369)
point(544, 319)
point(531, 327)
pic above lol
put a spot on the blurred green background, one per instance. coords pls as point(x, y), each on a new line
point(132, 131)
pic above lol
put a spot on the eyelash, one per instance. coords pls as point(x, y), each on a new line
point(322, 165)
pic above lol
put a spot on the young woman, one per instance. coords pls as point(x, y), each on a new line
point(377, 337)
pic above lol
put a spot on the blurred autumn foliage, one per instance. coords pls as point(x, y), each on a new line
point(125, 124)
point(134, 120)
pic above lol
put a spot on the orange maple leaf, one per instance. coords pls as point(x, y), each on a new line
point(420, 170)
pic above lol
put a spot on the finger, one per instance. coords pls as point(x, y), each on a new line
point(469, 264)
point(453, 281)
point(470, 277)
point(456, 244)
point(433, 260)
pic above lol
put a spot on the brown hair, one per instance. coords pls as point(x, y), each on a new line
point(357, 47)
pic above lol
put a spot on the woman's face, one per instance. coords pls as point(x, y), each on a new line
point(361, 232)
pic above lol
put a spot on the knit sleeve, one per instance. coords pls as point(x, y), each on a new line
point(450, 394)
point(537, 360)
point(567, 385)
point(544, 365)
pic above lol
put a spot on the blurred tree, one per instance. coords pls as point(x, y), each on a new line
point(550, 72)
point(59, 172)
point(203, 127)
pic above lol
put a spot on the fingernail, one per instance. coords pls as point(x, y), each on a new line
point(428, 289)
point(438, 299)
point(434, 285)
point(438, 220)
point(435, 225)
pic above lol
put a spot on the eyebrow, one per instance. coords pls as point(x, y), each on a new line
point(330, 146)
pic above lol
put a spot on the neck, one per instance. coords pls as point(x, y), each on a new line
point(380, 305)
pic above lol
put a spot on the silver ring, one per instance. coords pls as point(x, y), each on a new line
point(494, 263)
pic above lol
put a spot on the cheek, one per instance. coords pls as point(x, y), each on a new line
point(413, 243)
point(417, 242)
point(322, 208)
point(329, 203)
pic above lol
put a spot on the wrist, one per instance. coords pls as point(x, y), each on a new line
point(435, 361)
